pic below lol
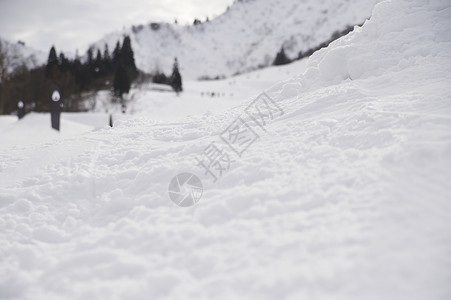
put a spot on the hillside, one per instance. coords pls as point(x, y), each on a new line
point(245, 37)
point(19, 54)
point(344, 195)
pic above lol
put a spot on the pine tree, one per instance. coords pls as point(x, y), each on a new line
point(176, 78)
point(52, 63)
point(87, 70)
point(107, 63)
point(281, 58)
point(89, 66)
point(90, 54)
point(64, 63)
point(128, 58)
point(98, 65)
point(122, 81)
point(77, 70)
point(116, 55)
point(125, 70)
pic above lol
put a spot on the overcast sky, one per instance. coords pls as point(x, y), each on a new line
point(74, 24)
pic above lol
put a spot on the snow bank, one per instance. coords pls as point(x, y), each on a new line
point(344, 196)
point(389, 42)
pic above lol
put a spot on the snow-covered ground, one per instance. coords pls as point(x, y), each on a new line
point(345, 195)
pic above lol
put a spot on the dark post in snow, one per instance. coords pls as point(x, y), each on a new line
point(55, 108)
point(20, 110)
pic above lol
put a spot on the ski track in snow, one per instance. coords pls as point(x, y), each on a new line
point(345, 196)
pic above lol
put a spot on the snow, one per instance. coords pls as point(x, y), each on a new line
point(245, 37)
point(344, 196)
point(22, 55)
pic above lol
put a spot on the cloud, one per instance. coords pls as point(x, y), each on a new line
point(74, 24)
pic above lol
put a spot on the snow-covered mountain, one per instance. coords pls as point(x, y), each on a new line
point(19, 54)
point(245, 37)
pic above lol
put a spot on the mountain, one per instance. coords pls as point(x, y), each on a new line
point(19, 54)
point(245, 37)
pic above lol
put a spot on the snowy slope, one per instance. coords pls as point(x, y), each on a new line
point(247, 36)
point(19, 54)
point(344, 196)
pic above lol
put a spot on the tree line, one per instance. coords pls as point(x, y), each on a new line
point(99, 70)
